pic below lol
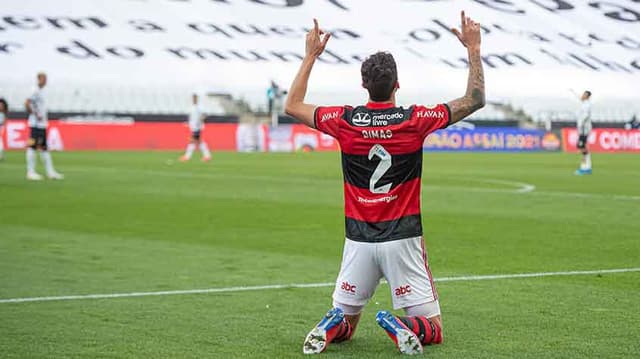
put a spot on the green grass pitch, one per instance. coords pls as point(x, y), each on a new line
point(132, 222)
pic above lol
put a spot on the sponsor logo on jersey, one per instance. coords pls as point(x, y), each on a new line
point(377, 134)
point(385, 199)
point(330, 116)
point(431, 113)
point(361, 119)
point(402, 290)
point(383, 118)
point(349, 288)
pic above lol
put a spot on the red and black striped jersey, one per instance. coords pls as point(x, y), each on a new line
point(382, 165)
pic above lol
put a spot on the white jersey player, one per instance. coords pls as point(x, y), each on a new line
point(4, 110)
point(196, 125)
point(37, 108)
point(584, 126)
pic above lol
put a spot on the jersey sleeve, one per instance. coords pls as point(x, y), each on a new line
point(327, 119)
point(431, 119)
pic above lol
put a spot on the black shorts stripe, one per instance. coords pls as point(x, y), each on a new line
point(38, 138)
point(582, 142)
point(358, 169)
point(401, 228)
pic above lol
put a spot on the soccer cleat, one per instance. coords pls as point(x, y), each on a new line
point(55, 176)
point(316, 341)
point(206, 158)
point(404, 338)
point(33, 176)
point(581, 172)
point(184, 158)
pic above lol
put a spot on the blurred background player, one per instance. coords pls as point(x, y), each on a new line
point(196, 125)
point(634, 123)
point(275, 95)
point(4, 110)
point(584, 129)
point(37, 108)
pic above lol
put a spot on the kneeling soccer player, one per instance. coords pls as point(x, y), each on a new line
point(381, 147)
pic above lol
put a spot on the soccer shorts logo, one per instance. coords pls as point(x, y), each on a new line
point(402, 290)
point(349, 288)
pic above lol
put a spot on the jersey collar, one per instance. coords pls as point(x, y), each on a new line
point(380, 105)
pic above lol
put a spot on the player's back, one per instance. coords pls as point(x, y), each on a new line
point(382, 165)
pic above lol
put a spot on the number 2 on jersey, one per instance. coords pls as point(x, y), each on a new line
point(383, 167)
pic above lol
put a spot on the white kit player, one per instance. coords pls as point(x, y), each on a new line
point(4, 110)
point(37, 108)
point(196, 125)
point(584, 127)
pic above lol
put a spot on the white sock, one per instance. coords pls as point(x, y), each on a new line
point(204, 149)
point(190, 148)
point(587, 161)
point(31, 160)
point(45, 156)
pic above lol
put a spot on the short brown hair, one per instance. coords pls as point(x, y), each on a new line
point(379, 75)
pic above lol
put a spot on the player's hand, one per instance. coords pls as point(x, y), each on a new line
point(469, 33)
point(315, 46)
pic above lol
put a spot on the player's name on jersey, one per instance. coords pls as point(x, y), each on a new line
point(377, 134)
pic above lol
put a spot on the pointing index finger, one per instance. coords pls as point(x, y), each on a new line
point(316, 28)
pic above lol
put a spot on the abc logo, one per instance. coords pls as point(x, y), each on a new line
point(402, 290)
point(348, 287)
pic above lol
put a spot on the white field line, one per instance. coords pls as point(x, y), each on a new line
point(519, 187)
point(309, 285)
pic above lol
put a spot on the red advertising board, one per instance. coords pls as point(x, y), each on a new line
point(604, 140)
point(63, 135)
point(120, 136)
point(287, 138)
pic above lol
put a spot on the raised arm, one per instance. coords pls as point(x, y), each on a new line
point(474, 98)
point(295, 105)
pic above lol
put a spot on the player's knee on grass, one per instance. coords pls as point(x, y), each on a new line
point(425, 320)
point(352, 316)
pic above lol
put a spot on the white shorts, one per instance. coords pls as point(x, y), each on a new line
point(403, 263)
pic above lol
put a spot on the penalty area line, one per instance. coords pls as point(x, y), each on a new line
point(308, 285)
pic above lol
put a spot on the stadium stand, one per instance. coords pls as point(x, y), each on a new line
point(116, 68)
point(94, 98)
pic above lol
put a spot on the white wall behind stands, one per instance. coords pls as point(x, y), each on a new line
point(534, 50)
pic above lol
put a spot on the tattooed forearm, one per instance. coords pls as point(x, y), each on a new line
point(474, 98)
point(475, 83)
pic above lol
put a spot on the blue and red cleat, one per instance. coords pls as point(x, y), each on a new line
point(404, 338)
point(319, 337)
